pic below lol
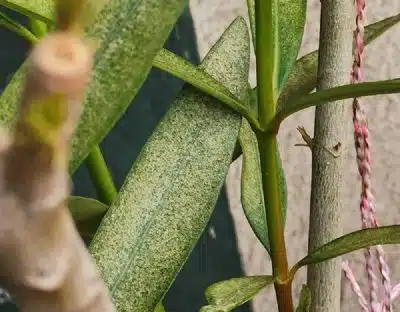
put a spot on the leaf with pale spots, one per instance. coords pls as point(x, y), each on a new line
point(172, 188)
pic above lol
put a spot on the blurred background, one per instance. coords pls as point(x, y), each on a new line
point(228, 248)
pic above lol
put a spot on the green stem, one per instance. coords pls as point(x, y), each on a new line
point(39, 28)
point(101, 176)
point(267, 146)
point(267, 57)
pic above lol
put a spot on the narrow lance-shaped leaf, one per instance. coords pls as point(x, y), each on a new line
point(22, 31)
point(252, 195)
point(290, 23)
point(351, 242)
point(170, 193)
point(226, 295)
point(303, 78)
point(179, 67)
point(128, 35)
point(252, 18)
point(339, 93)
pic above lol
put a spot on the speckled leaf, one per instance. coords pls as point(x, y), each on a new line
point(87, 214)
point(303, 78)
point(128, 34)
point(351, 242)
point(252, 196)
point(226, 295)
point(305, 300)
point(39, 9)
point(291, 21)
point(169, 194)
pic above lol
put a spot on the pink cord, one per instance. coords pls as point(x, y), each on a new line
point(354, 286)
point(367, 209)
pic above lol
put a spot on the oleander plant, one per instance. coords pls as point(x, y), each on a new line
point(122, 251)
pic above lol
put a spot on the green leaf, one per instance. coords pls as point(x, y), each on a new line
point(179, 67)
point(290, 23)
point(303, 78)
point(39, 9)
point(351, 242)
point(252, 195)
point(339, 93)
point(84, 209)
point(305, 300)
point(159, 308)
point(226, 295)
point(19, 29)
point(252, 18)
point(129, 33)
point(87, 214)
point(170, 193)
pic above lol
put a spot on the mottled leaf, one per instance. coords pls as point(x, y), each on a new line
point(351, 242)
point(170, 193)
point(291, 21)
point(303, 78)
point(252, 195)
point(226, 295)
point(128, 34)
point(305, 300)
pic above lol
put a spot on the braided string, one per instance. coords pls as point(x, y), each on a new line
point(362, 145)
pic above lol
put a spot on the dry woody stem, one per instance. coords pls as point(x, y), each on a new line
point(43, 261)
point(326, 196)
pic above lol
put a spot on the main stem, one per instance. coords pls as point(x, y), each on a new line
point(324, 279)
point(267, 58)
point(267, 147)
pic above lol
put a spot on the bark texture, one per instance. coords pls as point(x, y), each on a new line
point(329, 131)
